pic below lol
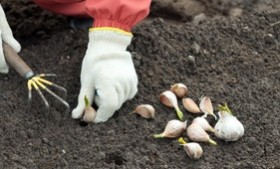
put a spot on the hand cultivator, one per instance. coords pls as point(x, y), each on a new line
point(34, 81)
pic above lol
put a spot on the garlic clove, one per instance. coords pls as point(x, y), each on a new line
point(145, 110)
point(204, 124)
point(206, 107)
point(179, 89)
point(190, 105)
point(89, 113)
point(174, 128)
point(196, 133)
point(169, 99)
point(228, 127)
point(194, 150)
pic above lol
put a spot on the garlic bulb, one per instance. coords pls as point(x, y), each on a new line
point(190, 105)
point(228, 127)
point(145, 110)
point(179, 89)
point(206, 107)
point(89, 113)
point(169, 99)
point(174, 128)
point(196, 133)
point(193, 149)
point(203, 123)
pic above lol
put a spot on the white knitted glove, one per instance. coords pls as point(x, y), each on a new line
point(108, 76)
point(6, 35)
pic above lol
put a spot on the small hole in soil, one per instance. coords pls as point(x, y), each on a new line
point(114, 158)
point(83, 124)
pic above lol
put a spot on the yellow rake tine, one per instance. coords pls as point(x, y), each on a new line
point(45, 81)
point(29, 86)
point(40, 93)
point(34, 84)
point(40, 84)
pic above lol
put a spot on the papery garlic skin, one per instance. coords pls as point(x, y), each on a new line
point(196, 133)
point(174, 128)
point(169, 99)
point(203, 123)
point(193, 150)
point(145, 110)
point(190, 105)
point(228, 127)
point(89, 115)
point(206, 107)
point(179, 89)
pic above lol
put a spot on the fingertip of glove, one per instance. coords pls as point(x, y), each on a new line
point(4, 70)
point(77, 113)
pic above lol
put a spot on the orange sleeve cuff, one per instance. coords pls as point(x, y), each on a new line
point(122, 14)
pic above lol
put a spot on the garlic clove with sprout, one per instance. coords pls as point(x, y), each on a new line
point(203, 123)
point(145, 110)
point(174, 128)
point(206, 107)
point(169, 99)
point(89, 113)
point(196, 133)
point(179, 89)
point(194, 150)
point(190, 105)
point(228, 127)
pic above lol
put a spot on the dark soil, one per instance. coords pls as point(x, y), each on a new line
point(236, 61)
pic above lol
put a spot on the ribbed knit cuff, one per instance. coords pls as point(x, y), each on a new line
point(109, 39)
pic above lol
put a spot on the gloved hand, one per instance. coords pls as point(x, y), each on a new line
point(108, 76)
point(6, 36)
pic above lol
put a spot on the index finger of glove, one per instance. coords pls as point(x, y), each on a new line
point(108, 103)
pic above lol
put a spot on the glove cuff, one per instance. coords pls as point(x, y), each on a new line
point(109, 39)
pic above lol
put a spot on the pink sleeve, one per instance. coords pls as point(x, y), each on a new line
point(122, 14)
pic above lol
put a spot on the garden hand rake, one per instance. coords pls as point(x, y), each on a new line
point(34, 81)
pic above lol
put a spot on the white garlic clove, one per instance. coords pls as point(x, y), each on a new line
point(174, 128)
point(228, 127)
point(196, 133)
point(168, 99)
point(194, 150)
point(145, 110)
point(190, 105)
point(203, 123)
point(89, 114)
point(206, 107)
point(179, 89)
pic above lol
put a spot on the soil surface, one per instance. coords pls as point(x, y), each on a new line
point(235, 44)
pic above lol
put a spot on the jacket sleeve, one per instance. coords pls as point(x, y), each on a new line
point(122, 14)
